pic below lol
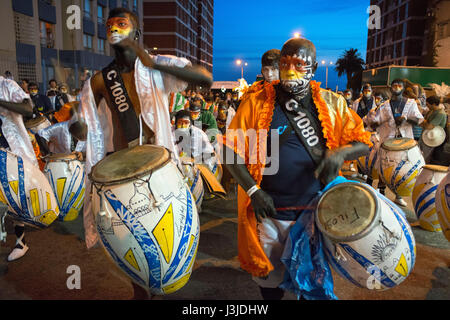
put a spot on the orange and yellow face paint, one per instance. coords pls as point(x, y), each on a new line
point(292, 68)
point(118, 28)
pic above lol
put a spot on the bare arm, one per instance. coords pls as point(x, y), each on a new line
point(24, 108)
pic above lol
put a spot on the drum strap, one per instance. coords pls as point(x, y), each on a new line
point(121, 101)
point(306, 127)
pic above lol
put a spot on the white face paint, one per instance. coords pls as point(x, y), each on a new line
point(270, 73)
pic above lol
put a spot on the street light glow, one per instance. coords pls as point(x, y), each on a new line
point(297, 35)
point(238, 62)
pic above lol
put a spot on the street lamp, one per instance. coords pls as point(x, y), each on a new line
point(326, 77)
point(241, 63)
point(297, 35)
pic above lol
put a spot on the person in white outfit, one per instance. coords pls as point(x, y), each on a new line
point(396, 117)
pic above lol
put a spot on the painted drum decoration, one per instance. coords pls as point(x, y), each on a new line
point(146, 217)
point(400, 161)
point(26, 191)
point(216, 168)
point(369, 164)
point(424, 194)
point(66, 176)
point(367, 239)
point(194, 180)
point(443, 205)
point(37, 124)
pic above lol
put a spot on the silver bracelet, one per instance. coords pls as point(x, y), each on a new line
point(252, 190)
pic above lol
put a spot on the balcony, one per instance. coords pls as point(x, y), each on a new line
point(47, 12)
point(23, 6)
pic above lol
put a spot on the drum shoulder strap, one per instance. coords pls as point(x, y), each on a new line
point(121, 101)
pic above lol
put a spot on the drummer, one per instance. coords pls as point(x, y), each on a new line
point(15, 103)
point(303, 168)
point(140, 91)
point(41, 103)
point(396, 117)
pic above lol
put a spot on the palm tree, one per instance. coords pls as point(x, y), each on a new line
point(350, 63)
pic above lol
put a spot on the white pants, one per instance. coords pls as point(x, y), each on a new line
point(273, 234)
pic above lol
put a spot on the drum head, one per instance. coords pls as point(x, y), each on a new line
point(60, 157)
point(346, 211)
point(128, 164)
point(434, 167)
point(34, 122)
point(399, 144)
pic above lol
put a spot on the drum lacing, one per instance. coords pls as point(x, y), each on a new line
point(338, 254)
point(156, 202)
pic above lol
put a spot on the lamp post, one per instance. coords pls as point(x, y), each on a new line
point(241, 63)
point(326, 77)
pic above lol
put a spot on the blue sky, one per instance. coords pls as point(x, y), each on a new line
point(245, 29)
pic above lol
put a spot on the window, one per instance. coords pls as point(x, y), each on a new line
point(135, 6)
point(101, 15)
point(87, 42)
point(47, 34)
point(125, 3)
point(101, 46)
point(87, 9)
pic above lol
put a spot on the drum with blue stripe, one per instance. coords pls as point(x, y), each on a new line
point(66, 176)
point(400, 162)
point(443, 205)
point(424, 194)
point(367, 239)
point(146, 217)
point(26, 191)
point(194, 180)
point(369, 164)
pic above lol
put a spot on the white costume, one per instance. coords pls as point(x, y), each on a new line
point(60, 139)
point(388, 129)
point(13, 127)
point(198, 146)
point(153, 88)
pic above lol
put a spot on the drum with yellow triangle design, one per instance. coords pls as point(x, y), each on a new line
point(26, 191)
point(146, 217)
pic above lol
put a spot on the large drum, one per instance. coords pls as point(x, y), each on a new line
point(367, 240)
point(400, 162)
point(146, 217)
point(26, 191)
point(66, 176)
point(369, 164)
point(443, 205)
point(424, 194)
point(37, 124)
point(194, 180)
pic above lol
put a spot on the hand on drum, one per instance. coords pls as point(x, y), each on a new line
point(263, 205)
point(329, 168)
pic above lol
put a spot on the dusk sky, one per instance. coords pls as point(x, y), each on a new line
point(245, 29)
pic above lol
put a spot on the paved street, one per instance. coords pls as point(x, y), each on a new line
point(41, 274)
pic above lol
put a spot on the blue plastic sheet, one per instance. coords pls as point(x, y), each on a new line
point(308, 273)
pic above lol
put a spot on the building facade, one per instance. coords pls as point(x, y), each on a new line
point(183, 28)
point(61, 39)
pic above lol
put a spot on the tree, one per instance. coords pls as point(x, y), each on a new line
point(350, 64)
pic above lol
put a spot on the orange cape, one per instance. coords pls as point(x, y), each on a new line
point(340, 126)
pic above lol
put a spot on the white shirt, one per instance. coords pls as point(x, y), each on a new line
point(60, 139)
point(388, 129)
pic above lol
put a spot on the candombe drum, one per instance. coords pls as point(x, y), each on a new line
point(216, 168)
point(424, 194)
point(66, 176)
point(194, 180)
point(367, 240)
point(443, 205)
point(26, 191)
point(368, 164)
point(146, 217)
point(37, 124)
point(400, 162)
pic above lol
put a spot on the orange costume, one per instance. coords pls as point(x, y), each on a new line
point(340, 126)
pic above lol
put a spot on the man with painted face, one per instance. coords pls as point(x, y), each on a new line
point(396, 117)
point(363, 105)
point(203, 119)
point(136, 84)
point(41, 103)
point(317, 132)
